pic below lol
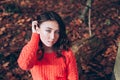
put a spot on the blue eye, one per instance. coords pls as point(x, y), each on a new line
point(57, 32)
point(48, 31)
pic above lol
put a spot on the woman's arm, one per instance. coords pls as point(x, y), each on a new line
point(27, 57)
point(71, 66)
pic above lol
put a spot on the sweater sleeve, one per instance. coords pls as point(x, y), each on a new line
point(27, 57)
point(71, 66)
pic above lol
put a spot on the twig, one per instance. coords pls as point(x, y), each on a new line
point(89, 22)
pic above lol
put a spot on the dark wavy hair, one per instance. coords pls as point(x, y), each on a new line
point(63, 42)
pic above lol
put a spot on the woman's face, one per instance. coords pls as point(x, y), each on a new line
point(49, 33)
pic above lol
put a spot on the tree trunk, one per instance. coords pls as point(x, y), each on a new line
point(86, 9)
point(117, 63)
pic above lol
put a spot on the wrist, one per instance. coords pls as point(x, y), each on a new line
point(35, 37)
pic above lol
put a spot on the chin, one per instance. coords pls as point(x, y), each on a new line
point(49, 46)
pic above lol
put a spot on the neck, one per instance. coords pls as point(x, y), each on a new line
point(48, 49)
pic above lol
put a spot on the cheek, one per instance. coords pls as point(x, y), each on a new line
point(57, 37)
point(43, 35)
point(43, 38)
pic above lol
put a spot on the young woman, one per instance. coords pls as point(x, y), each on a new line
point(48, 55)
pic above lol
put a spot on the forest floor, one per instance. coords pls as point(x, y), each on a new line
point(96, 54)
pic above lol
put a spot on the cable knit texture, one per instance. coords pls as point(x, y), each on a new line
point(50, 67)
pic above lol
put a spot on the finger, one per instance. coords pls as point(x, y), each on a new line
point(34, 23)
point(35, 27)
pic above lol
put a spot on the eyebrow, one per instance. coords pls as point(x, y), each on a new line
point(50, 28)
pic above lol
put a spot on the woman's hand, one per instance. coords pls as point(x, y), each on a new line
point(35, 27)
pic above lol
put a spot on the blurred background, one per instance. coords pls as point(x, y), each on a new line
point(93, 26)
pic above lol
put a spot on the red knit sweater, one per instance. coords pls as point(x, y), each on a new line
point(50, 67)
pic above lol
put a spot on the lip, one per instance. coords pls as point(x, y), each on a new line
point(50, 41)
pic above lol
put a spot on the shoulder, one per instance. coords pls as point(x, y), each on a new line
point(69, 56)
point(68, 53)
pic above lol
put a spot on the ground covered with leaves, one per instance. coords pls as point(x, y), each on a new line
point(95, 54)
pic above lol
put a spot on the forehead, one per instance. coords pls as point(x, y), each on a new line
point(50, 25)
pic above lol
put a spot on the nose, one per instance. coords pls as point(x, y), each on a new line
point(52, 36)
